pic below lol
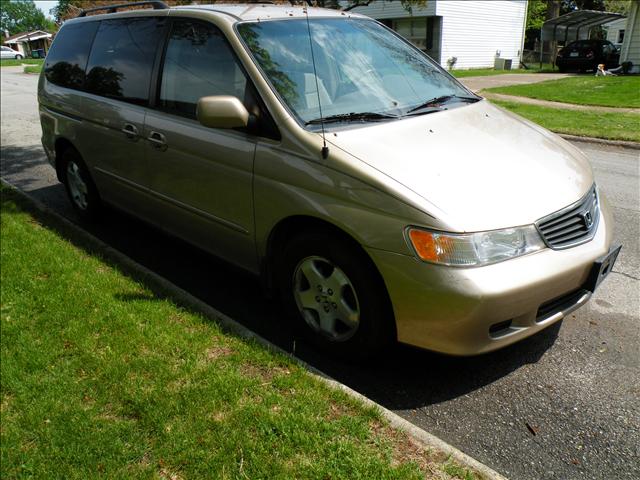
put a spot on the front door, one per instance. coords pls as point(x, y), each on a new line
point(203, 176)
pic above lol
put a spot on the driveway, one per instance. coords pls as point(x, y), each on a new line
point(475, 84)
point(563, 404)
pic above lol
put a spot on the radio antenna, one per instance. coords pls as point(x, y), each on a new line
point(325, 149)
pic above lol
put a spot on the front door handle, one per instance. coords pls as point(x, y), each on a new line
point(158, 141)
point(130, 131)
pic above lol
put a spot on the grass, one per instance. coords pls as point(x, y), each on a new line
point(33, 69)
point(100, 376)
point(485, 72)
point(612, 126)
point(12, 62)
point(583, 90)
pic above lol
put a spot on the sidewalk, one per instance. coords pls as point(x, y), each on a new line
point(564, 106)
point(476, 84)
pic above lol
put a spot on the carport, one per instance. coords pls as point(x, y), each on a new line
point(573, 26)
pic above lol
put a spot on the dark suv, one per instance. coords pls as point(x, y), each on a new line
point(583, 55)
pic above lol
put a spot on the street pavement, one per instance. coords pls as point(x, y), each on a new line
point(564, 404)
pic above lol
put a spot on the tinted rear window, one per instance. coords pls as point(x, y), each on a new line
point(122, 58)
point(67, 59)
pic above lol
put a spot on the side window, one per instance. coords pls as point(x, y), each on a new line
point(198, 62)
point(122, 58)
point(66, 61)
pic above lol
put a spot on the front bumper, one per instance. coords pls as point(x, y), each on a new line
point(467, 311)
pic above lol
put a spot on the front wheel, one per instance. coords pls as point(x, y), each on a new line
point(335, 296)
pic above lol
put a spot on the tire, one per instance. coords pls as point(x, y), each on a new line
point(350, 314)
point(19, 57)
point(81, 189)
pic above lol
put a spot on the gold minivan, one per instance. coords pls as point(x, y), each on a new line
point(318, 149)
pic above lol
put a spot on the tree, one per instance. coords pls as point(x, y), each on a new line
point(18, 16)
point(618, 6)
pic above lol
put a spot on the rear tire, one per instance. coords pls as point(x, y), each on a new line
point(335, 296)
point(19, 57)
point(81, 189)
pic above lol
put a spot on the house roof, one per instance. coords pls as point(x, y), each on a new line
point(567, 27)
point(33, 35)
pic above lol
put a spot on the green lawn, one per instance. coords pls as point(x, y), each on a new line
point(101, 377)
point(12, 62)
point(33, 68)
point(612, 126)
point(583, 90)
point(485, 72)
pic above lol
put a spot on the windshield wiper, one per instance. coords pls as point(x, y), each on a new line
point(435, 102)
point(352, 117)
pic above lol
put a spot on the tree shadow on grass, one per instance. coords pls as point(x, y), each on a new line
point(407, 378)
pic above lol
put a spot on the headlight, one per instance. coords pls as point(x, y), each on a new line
point(474, 249)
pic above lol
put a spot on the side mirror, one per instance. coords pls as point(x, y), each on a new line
point(222, 111)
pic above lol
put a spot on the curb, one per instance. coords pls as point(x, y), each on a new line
point(601, 141)
point(421, 436)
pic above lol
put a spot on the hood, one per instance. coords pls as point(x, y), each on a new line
point(482, 167)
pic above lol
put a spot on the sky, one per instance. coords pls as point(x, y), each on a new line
point(45, 6)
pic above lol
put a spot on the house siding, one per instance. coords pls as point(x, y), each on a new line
point(613, 29)
point(631, 45)
point(383, 10)
point(473, 30)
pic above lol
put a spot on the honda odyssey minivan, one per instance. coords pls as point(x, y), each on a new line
point(318, 149)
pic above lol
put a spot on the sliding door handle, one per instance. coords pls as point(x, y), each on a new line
point(158, 141)
point(130, 131)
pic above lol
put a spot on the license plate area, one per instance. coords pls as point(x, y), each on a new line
point(574, 54)
point(601, 269)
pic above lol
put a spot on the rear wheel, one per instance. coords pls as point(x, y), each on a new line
point(81, 190)
point(19, 57)
point(335, 296)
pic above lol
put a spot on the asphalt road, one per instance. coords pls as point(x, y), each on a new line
point(576, 384)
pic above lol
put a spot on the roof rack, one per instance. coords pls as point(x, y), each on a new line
point(156, 4)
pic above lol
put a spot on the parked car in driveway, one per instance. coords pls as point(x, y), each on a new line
point(583, 55)
point(6, 52)
point(378, 196)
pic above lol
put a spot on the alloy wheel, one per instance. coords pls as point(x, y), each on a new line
point(77, 186)
point(326, 298)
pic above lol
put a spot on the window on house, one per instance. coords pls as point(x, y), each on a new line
point(620, 36)
point(414, 30)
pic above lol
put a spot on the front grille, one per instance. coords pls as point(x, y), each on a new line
point(573, 225)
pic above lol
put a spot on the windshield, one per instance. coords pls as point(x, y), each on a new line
point(361, 68)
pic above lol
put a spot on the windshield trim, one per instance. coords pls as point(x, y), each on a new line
point(316, 128)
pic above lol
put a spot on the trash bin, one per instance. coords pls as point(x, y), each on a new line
point(38, 53)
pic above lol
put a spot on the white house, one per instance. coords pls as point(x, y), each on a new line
point(472, 31)
point(26, 42)
point(616, 31)
point(630, 51)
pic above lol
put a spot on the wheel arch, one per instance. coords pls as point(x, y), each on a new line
point(61, 145)
point(288, 227)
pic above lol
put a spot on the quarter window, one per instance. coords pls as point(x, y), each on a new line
point(67, 59)
point(198, 63)
point(122, 58)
